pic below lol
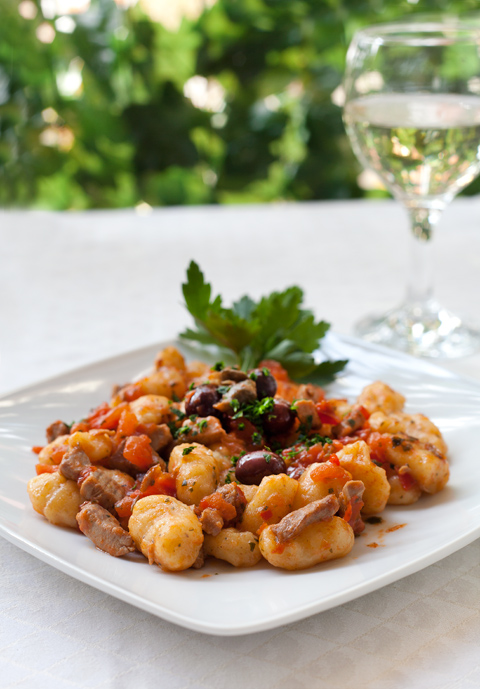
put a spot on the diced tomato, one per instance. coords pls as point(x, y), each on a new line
point(127, 424)
point(110, 419)
point(37, 449)
point(98, 412)
point(124, 507)
point(276, 369)
point(218, 502)
point(379, 443)
point(132, 392)
point(81, 427)
point(326, 414)
point(406, 480)
point(164, 484)
point(364, 412)
point(58, 453)
point(333, 459)
point(46, 468)
point(146, 428)
point(138, 451)
point(266, 514)
point(329, 471)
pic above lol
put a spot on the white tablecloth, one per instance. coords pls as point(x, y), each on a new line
point(80, 287)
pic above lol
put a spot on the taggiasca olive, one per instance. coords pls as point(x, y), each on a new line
point(280, 419)
point(201, 400)
point(254, 466)
point(265, 382)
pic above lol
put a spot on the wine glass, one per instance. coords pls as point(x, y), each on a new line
point(412, 112)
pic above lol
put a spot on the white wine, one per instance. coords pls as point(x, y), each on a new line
point(421, 145)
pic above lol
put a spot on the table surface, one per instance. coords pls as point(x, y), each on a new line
point(76, 288)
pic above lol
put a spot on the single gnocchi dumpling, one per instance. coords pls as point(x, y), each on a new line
point(416, 426)
point(403, 493)
point(170, 356)
point(97, 443)
point(355, 458)
point(379, 396)
point(319, 542)
point(272, 501)
point(152, 409)
point(196, 472)
point(167, 382)
point(166, 531)
point(58, 499)
point(239, 548)
point(429, 468)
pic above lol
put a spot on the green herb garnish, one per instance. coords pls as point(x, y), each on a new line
point(275, 327)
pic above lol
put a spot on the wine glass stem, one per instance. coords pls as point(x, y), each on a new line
point(420, 281)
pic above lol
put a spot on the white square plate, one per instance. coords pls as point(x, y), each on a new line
point(220, 599)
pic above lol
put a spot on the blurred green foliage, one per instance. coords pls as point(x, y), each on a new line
point(98, 117)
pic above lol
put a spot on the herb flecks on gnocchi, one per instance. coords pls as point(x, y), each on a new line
point(193, 462)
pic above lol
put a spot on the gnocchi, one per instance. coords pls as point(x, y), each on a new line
point(192, 462)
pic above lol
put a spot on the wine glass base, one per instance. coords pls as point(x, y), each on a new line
point(424, 330)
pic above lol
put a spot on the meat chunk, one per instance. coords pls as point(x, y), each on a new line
point(73, 463)
point(55, 430)
point(119, 462)
point(353, 421)
point(200, 561)
point(235, 496)
point(351, 503)
point(221, 508)
point(211, 521)
point(105, 487)
point(205, 431)
point(309, 391)
point(244, 392)
point(295, 522)
point(104, 530)
point(161, 437)
point(232, 375)
point(307, 414)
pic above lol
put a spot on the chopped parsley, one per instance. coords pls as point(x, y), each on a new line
point(178, 413)
point(256, 438)
point(202, 425)
point(219, 366)
point(222, 389)
point(187, 450)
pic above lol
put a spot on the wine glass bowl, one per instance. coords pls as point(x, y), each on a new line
point(412, 112)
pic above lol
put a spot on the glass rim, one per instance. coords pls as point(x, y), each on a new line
point(421, 32)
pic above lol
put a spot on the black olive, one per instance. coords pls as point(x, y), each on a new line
point(280, 419)
point(254, 466)
point(265, 382)
point(201, 400)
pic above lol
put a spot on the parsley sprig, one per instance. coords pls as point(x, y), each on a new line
point(275, 327)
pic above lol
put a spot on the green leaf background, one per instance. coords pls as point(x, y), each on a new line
point(130, 135)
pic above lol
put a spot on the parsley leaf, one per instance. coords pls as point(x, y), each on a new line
point(275, 327)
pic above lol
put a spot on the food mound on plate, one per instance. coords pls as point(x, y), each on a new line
point(194, 461)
